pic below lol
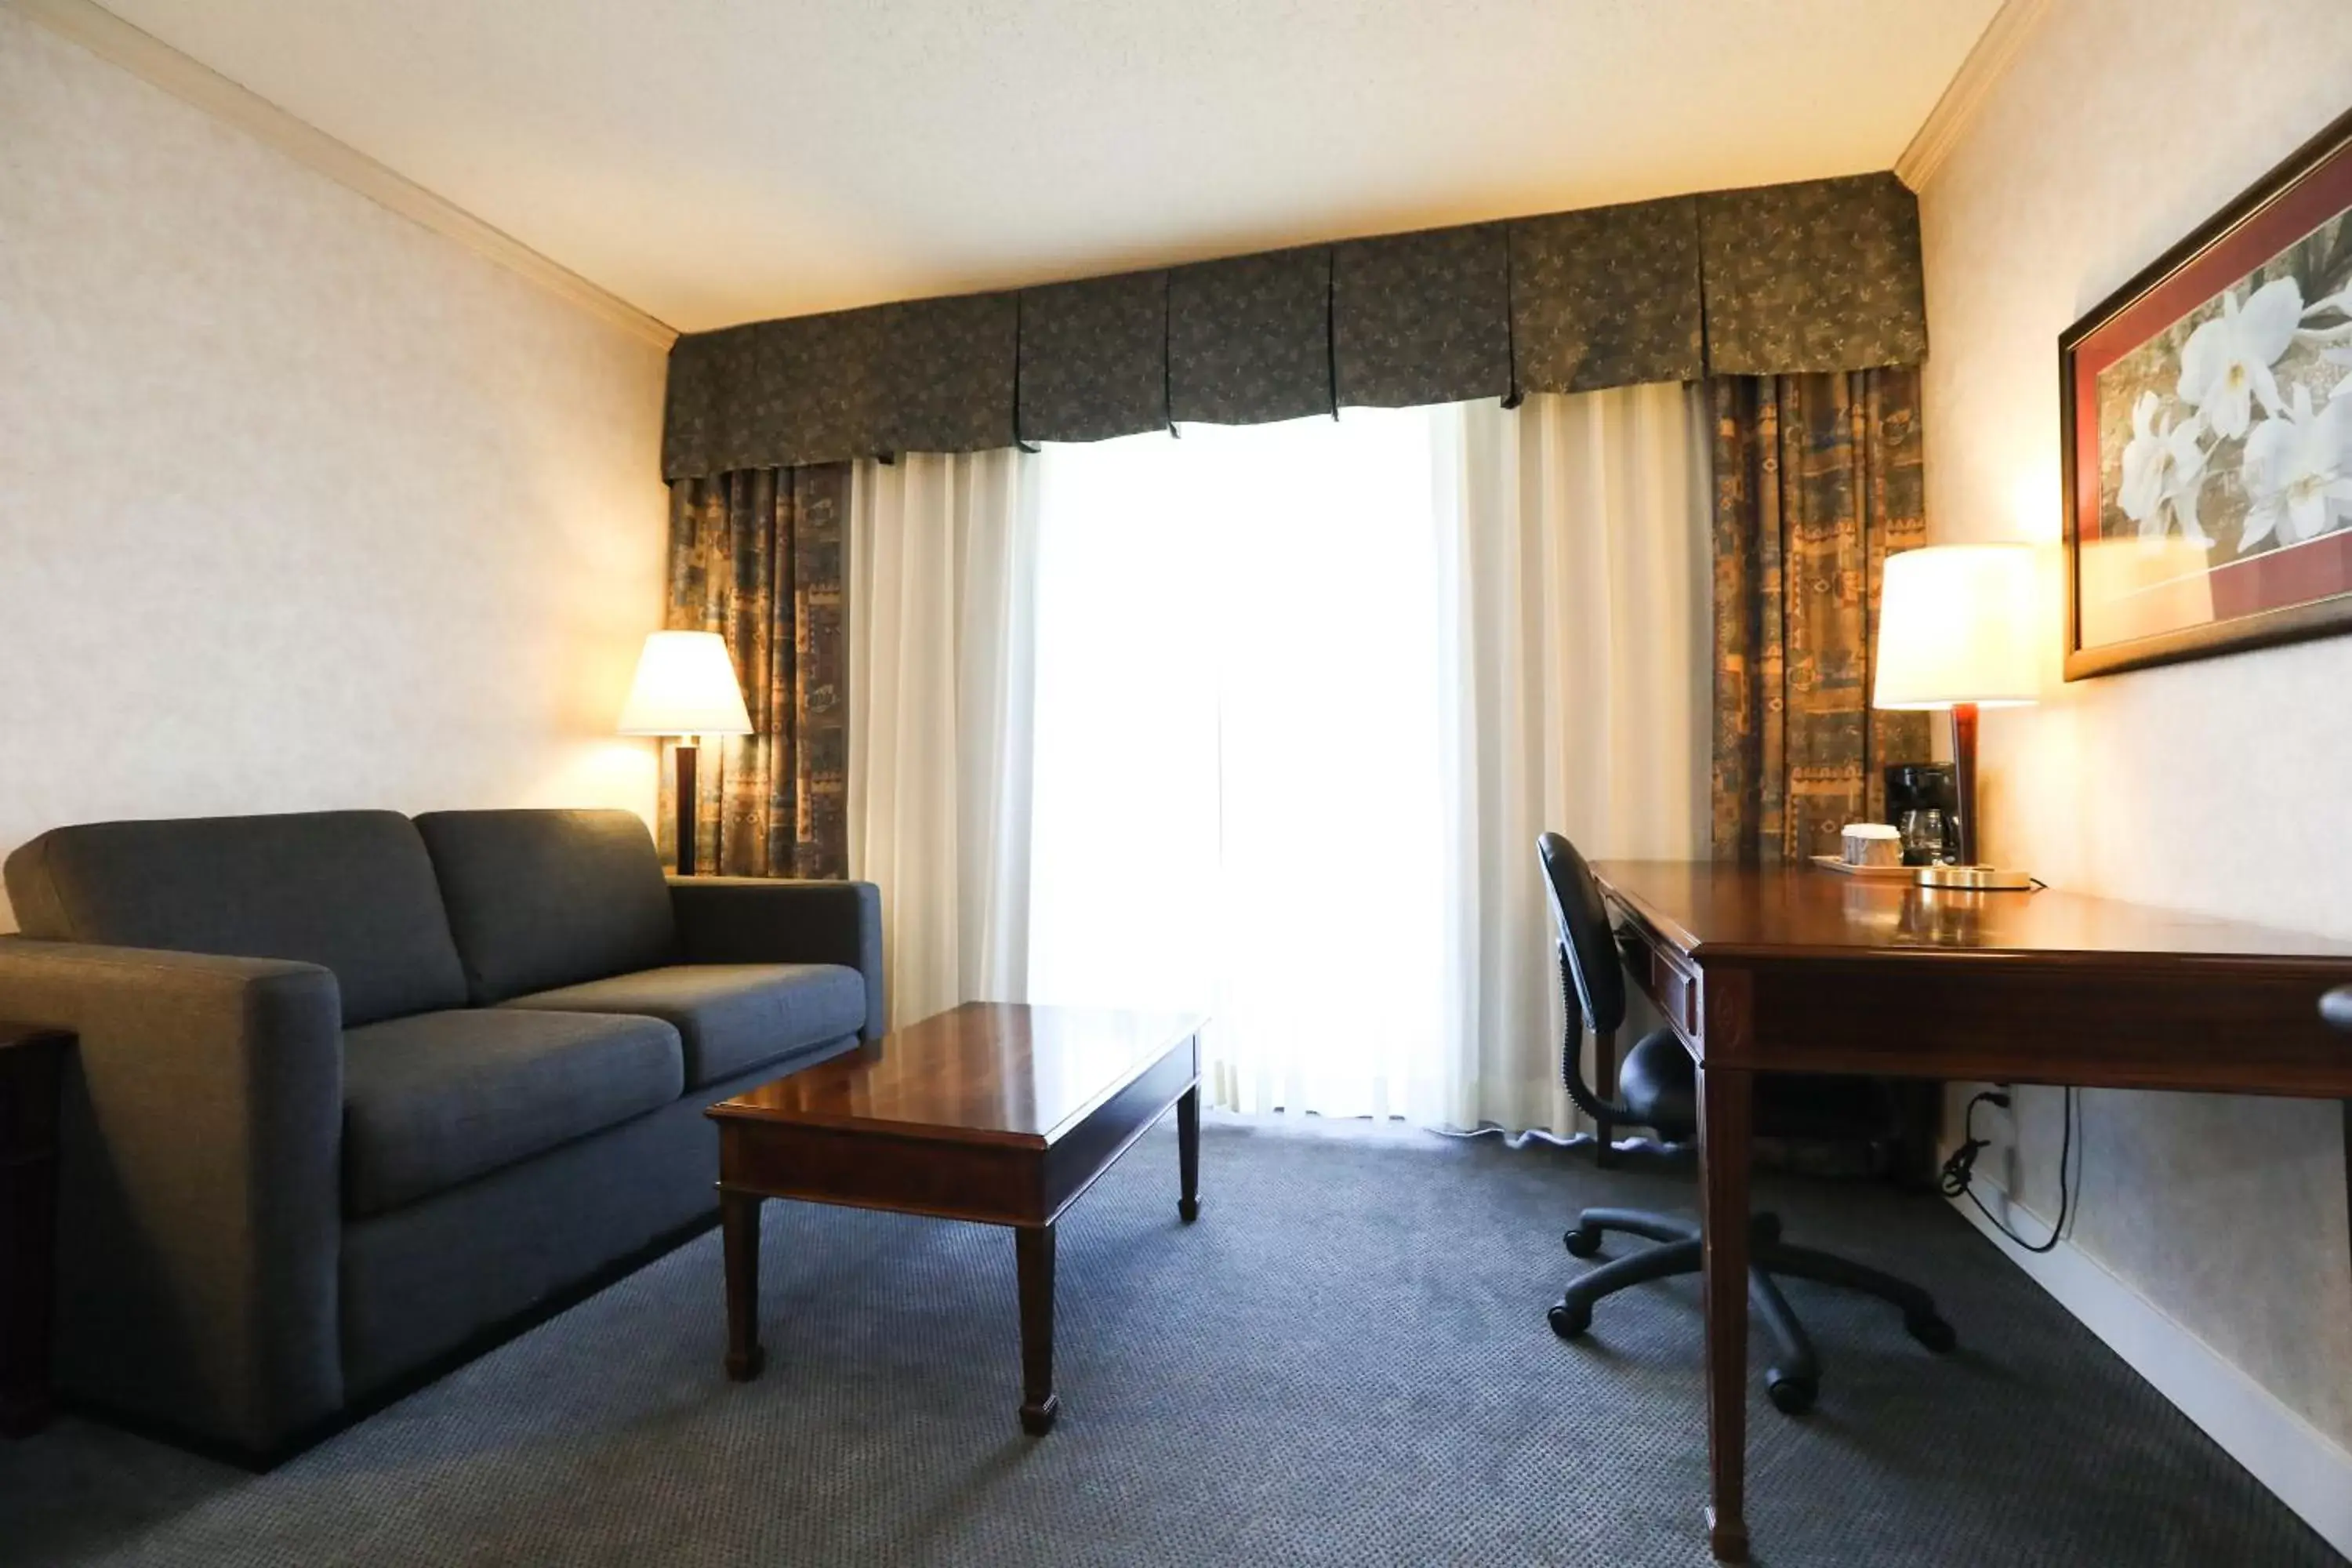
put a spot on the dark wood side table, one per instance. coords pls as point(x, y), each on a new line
point(31, 1059)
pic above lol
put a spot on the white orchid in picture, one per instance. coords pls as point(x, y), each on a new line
point(2164, 467)
point(2239, 414)
point(2208, 439)
point(2226, 366)
point(2299, 472)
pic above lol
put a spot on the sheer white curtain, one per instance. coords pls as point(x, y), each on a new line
point(1263, 723)
point(942, 595)
point(1576, 575)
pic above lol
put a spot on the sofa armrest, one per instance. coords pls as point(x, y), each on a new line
point(772, 920)
point(199, 1222)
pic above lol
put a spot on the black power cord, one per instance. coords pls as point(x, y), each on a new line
point(1961, 1169)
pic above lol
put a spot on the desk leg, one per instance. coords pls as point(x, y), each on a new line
point(1724, 1134)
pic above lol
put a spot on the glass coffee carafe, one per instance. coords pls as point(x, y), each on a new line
point(1923, 803)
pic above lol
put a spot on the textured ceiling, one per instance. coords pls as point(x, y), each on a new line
point(720, 160)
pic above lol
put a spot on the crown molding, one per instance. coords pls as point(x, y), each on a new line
point(144, 56)
point(1995, 49)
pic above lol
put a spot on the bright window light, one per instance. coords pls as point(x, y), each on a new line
point(1238, 743)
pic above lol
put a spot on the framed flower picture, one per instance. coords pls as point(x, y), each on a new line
point(2207, 433)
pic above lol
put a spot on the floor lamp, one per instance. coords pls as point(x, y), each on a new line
point(686, 687)
point(1955, 633)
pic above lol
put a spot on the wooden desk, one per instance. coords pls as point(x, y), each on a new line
point(1792, 969)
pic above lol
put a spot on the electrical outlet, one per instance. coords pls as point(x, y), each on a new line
point(1998, 1129)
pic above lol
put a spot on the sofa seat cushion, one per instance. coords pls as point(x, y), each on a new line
point(441, 1098)
point(731, 1016)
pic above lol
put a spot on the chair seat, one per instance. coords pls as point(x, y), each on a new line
point(731, 1016)
point(1659, 1084)
point(438, 1099)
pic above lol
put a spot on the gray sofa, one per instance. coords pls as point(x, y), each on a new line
point(357, 1093)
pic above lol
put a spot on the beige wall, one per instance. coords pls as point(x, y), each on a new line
point(2223, 786)
point(300, 504)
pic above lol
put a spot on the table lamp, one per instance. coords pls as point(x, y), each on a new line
point(1955, 633)
point(685, 687)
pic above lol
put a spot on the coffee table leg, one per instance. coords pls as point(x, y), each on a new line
point(1188, 1152)
point(739, 1221)
point(1033, 1247)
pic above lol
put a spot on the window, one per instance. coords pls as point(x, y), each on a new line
point(1239, 745)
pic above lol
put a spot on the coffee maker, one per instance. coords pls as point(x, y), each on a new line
point(1923, 802)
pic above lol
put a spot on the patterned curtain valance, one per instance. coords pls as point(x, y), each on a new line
point(1421, 317)
point(1819, 276)
point(929, 375)
point(1249, 340)
point(1094, 359)
point(1822, 275)
point(1608, 297)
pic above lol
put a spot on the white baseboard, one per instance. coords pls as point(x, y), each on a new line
point(2306, 1468)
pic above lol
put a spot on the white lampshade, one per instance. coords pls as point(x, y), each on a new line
point(686, 686)
point(1956, 625)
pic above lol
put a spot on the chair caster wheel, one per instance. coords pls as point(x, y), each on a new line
point(1585, 1241)
point(1933, 1332)
point(1792, 1395)
point(1569, 1319)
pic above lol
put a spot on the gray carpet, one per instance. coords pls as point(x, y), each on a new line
point(1345, 1362)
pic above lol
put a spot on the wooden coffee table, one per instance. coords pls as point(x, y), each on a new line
point(992, 1112)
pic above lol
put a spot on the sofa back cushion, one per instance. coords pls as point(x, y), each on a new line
point(350, 891)
point(542, 899)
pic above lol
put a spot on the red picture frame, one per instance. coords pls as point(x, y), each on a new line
point(2190, 530)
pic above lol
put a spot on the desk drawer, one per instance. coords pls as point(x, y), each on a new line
point(1674, 988)
point(1665, 977)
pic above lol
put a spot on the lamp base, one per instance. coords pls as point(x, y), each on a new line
point(1975, 879)
point(1964, 776)
point(687, 756)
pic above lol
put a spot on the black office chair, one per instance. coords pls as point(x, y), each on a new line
point(1658, 1088)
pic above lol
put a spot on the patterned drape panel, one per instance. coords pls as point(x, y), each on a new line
point(756, 555)
point(1816, 479)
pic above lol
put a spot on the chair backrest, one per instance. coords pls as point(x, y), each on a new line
point(1585, 943)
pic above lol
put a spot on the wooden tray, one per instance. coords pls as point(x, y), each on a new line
point(1868, 873)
